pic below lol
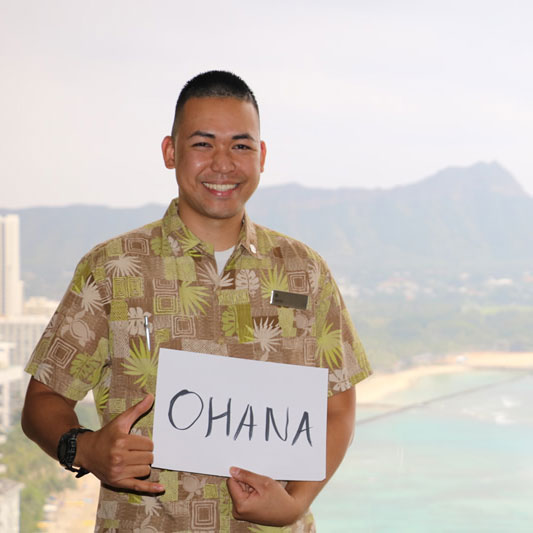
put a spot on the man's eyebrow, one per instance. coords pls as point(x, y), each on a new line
point(200, 133)
point(243, 136)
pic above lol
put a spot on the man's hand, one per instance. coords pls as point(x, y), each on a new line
point(116, 457)
point(261, 499)
point(111, 453)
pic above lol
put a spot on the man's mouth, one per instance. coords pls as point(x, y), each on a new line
point(220, 187)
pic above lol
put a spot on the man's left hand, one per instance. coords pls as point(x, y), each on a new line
point(261, 499)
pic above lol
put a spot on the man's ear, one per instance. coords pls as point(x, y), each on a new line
point(263, 155)
point(167, 147)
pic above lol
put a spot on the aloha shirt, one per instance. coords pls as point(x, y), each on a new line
point(96, 341)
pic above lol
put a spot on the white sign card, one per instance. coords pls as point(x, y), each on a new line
point(214, 412)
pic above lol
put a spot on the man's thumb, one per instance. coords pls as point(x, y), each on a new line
point(129, 416)
point(245, 476)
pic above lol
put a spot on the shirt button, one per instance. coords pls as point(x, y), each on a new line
point(253, 248)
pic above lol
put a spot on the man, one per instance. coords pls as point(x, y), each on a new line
point(200, 280)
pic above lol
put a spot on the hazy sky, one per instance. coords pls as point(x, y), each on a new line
point(352, 93)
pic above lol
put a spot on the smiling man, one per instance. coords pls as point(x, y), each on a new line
point(199, 279)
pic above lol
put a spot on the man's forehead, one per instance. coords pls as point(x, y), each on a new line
point(211, 108)
point(222, 118)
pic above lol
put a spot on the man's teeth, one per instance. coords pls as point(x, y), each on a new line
point(221, 186)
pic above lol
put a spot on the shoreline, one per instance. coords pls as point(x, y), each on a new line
point(373, 389)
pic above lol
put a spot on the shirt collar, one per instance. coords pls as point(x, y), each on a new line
point(179, 235)
point(248, 237)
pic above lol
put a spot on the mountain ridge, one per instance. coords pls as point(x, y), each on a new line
point(460, 218)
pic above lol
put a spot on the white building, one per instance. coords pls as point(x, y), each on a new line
point(38, 305)
point(10, 283)
point(24, 331)
point(10, 505)
point(11, 389)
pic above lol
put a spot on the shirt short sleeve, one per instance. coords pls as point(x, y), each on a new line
point(73, 350)
point(338, 346)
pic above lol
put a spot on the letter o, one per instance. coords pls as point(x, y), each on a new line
point(178, 395)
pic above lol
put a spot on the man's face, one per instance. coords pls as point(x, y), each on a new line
point(218, 158)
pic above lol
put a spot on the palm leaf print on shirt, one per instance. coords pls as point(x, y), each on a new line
point(329, 346)
point(272, 280)
point(140, 363)
point(193, 299)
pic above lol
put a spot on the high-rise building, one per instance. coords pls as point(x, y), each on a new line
point(11, 389)
point(10, 282)
point(10, 505)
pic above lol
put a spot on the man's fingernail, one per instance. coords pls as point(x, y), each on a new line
point(160, 488)
point(234, 471)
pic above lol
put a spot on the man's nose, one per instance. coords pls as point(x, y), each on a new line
point(222, 161)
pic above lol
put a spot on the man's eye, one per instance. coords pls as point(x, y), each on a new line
point(201, 144)
point(242, 147)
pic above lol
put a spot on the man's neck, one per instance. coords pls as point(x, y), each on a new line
point(221, 233)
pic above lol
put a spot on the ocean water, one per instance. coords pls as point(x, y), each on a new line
point(453, 453)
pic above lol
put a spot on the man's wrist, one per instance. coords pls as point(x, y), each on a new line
point(67, 450)
point(303, 493)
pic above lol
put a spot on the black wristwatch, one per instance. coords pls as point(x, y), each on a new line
point(66, 450)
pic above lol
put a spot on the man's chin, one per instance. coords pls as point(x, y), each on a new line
point(223, 214)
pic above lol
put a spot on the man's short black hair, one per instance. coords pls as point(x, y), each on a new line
point(214, 84)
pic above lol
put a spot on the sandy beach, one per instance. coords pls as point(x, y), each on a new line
point(379, 385)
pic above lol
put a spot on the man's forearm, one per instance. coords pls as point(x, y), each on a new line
point(46, 416)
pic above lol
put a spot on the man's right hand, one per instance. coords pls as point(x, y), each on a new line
point(116, 457)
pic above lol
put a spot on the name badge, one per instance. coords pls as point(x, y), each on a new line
point(289, 299)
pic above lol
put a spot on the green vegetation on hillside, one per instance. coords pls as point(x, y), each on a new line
point(396, 332)
point(40, 474)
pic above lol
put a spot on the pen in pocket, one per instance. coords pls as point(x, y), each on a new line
point(147, 331)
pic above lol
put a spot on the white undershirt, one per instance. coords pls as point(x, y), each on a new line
point(221, 258)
